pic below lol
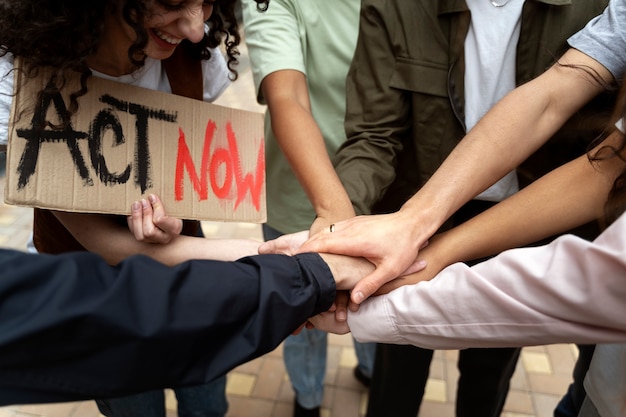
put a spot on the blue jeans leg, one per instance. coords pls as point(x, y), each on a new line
point(304, 355)
point(365, 353)
point(207, 400)
point(305, 360)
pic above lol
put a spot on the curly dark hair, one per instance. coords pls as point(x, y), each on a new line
point(615, 203)
point(616, 200)
point(62, 34)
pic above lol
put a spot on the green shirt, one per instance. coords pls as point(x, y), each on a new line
point(317, 38)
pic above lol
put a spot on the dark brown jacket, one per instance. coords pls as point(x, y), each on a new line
point(405, 93)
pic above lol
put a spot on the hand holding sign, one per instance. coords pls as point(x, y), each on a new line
point(148, 221)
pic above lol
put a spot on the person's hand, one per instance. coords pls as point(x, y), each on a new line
point(342, 304)
point(347, 270)
point(439, 253)
point(148, 221)
point(327, 322)
point(319, 224)
point(385, 240)
point(285, 244)
point(324, 219)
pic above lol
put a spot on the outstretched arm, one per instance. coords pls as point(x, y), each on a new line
point(73, 327)
point(570, 291)
point(113, 241)
point(300, 139)
point(567, 197)
point(517, 126)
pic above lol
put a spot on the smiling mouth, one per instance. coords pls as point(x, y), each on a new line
point(166, 38)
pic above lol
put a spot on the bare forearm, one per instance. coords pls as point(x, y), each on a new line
point(569, 196)
point(114, 242)
point(301, 140)
point(303, 145)
point(517, 126)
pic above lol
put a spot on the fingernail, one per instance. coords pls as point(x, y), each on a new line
point(358, 297)
point(341, 315)
point(152, 198)
point(144, 203)
point(134, 206)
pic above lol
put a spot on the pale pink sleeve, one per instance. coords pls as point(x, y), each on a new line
point(570, 291)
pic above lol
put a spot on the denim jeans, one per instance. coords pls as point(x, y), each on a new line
point(305, 356)
point(207, 400)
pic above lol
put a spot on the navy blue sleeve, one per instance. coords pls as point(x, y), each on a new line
point(73, 327)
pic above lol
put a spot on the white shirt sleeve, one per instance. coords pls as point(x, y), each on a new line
point(570, 291)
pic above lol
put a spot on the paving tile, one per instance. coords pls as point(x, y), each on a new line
point(562, 358)
point(544, 404)
point(87, 409)
point(549, 384)
point(436, 390)
point(519, 379)
point(240, 384)
point(7, 412)
point(282, 410)
point(437, 368)
point(348, 358)
point(345, 403)
point(170, 401)
point(340, 340)
point(537, 362)
point(452, 378)
point(363, 403)
point(436, 409)
point(286, 393)
point(346, 379)
point(269, 379)
point(250, 407)
point(519, 402)
point(49, 410)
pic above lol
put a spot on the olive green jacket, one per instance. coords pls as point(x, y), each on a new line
point(405, 93)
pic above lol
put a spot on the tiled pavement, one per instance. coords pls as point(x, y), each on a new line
point(261, 388)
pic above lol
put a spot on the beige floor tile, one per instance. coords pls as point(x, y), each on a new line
point(537, 362)
point(250, 407)
point(549, 384)
point(345, 403)
point(519, 402)
point(269, 379)
point(436, 409)
point(7, 412)
point(436, 390)
point(240, 384)
point(348, 358)
point(544, 404)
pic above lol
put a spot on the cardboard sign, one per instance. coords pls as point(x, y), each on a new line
point(206, 162)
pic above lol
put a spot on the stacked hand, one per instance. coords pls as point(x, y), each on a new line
point(381, 239)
